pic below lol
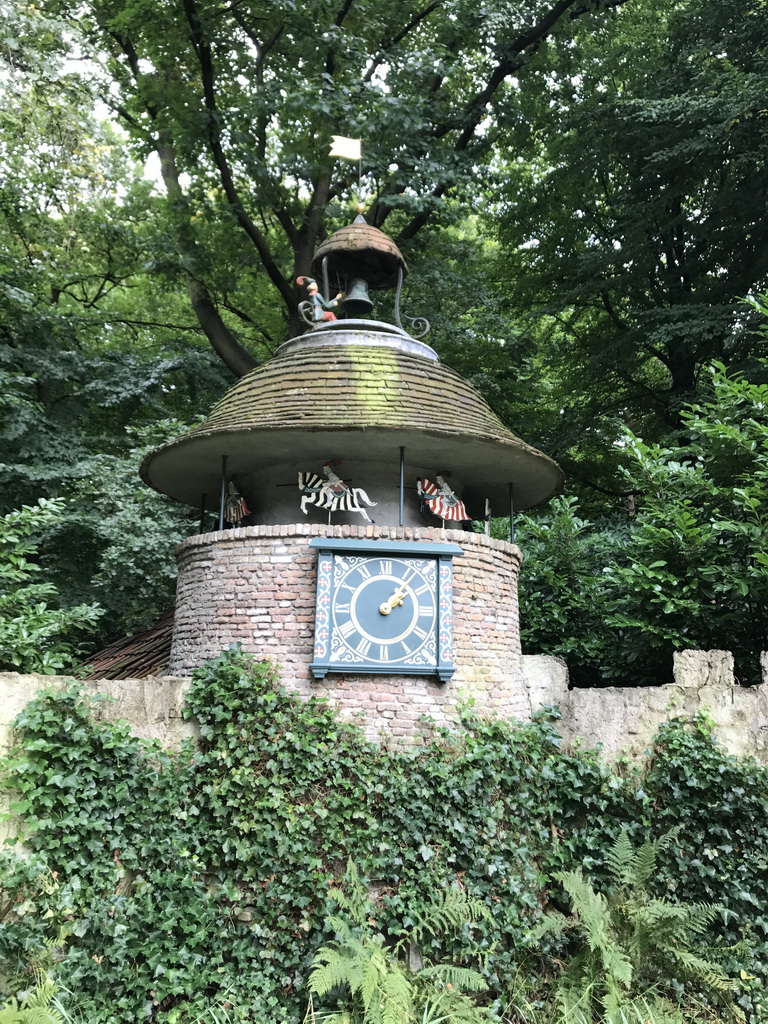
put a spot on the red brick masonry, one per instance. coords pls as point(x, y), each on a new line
point(256, 586)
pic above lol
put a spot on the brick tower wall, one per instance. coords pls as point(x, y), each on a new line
point(256, 586)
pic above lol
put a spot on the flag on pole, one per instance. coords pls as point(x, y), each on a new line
point(346, 149)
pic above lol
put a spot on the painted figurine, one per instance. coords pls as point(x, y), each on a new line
point(321, 310)
point(235, 506)
point(330, 492)
point(440, 500)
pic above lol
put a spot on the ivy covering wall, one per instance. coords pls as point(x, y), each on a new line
point(170, 883)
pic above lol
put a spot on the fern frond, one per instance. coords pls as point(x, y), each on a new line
point(642, 865)
point(372, 970)
point(462, 978)
point(575, 1003)
point(447, 913)
point(447, 1008)
point(353, 898)
point(619, 857)
point(594, 915)
point(616, 963)
point(396, 998)
point(669, 837)
point(552, 922)
point(331, 968)
point(13, 1013)
point(704, 970)
point(590, 906)
point(702, 915)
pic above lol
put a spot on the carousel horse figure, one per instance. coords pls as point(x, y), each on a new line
point(329, 491)
point(440, 500)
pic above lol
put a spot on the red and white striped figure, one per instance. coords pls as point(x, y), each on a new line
point(235, 506)
point(441, 501)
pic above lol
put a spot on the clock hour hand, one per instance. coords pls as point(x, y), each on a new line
point(397, 598)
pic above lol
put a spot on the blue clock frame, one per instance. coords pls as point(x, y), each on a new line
point(384, 607)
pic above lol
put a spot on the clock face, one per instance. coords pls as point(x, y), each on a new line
point(384, 611)
point(384, 606)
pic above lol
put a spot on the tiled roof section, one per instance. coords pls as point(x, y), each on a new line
point(132, 657)
point(360, 250)
point(350, 386)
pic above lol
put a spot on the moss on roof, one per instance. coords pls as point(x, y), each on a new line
point(354, 386)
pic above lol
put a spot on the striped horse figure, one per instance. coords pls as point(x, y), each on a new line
point(332, 494)
point(440, 500)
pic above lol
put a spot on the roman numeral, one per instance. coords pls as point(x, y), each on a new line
point(383, 652)
point(421, 633)
point(406, 648)
point(426, 609)
point(342, 609)
point(347, 628)
point(422, 589)
point(364, 571)
point(347, 586)
point(363, 647)
point(386, 568)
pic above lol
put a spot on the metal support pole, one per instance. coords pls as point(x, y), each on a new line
point(223, 494)
point(402, 484)
point(326, 283)
point(202, 513)
point(511, 515)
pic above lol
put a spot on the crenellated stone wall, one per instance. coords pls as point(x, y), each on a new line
point(622, 720)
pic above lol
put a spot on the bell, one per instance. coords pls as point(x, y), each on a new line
point(356, 302)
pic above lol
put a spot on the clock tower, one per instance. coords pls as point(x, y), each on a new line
point(343, 488)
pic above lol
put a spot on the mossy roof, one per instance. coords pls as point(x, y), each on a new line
point(378, 398)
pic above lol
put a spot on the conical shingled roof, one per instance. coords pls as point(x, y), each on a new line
point(332, 392)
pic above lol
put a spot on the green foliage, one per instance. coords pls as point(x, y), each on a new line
point(36, 635)
point(116, 537)
point(205, 882)
point(382, 989)
point(629, 224)
point(629, 942)
point(698, 573)
point(98, 360)
point(687, 570)
point(26, 887)
point(34, 1009)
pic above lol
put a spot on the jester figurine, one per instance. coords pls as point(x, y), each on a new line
point(321, 310)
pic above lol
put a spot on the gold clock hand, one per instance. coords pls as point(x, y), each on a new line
point(392, 602)
point(397, 598)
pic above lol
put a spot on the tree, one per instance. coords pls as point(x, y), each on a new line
point(36, 635)
point(635, 223)
point(690, 570)
point(98, 360)
point(241, 100)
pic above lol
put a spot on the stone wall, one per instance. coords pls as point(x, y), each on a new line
point(622, 720)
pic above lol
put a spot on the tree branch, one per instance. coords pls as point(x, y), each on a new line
point(516, 53)
point(203, 52)
point(223, 341)
point(386, 45)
